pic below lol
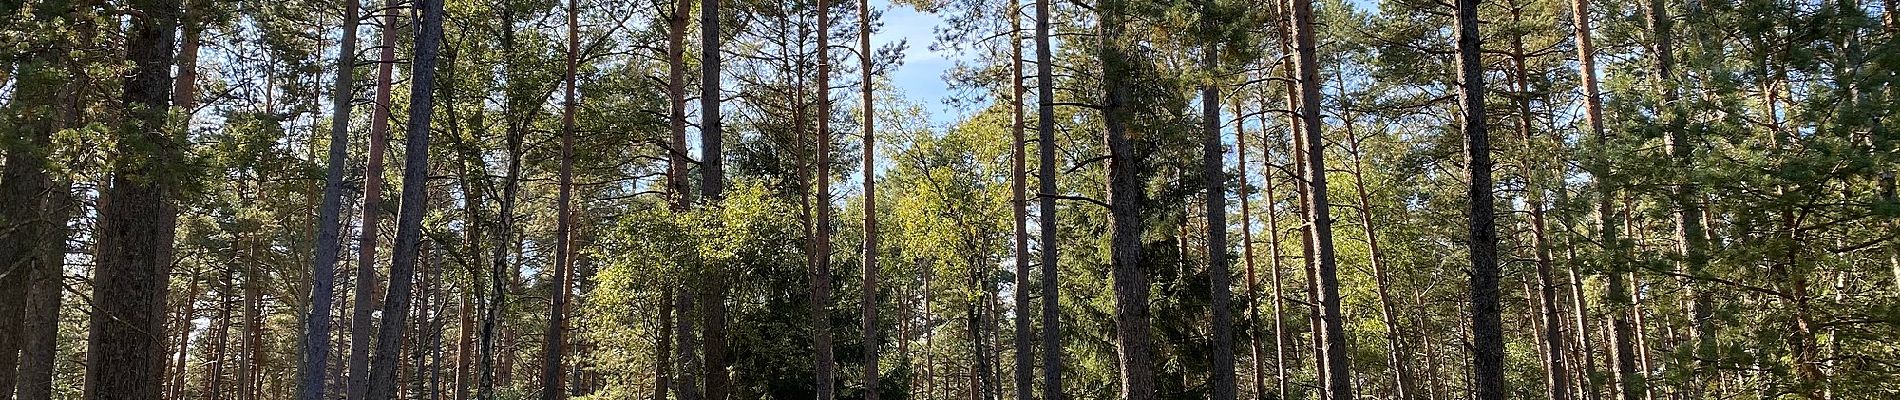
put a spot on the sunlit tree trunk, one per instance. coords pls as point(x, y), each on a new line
point(1046, 207)
point(1622, 358)
point(1246, 245)
point(824, 364)
point(1273, 256)
point(316, 345)
point(363, 320)
point(1396, 352)
point(1019, 205)
point(553, 373)
point(1550, 325)
point(870, 201)
point(1338, 380)
point(382, 383)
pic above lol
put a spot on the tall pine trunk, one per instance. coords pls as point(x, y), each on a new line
point(678, 185)
point(1214, 177)
point(1132, 329)
point(824, 364)
point(1487, 331)
point(1628, 386)
point(1550, 325)
point(1019, 206)
point(1247, 252)
point(316, 339)
point(1273, 258)
point(1046, 206)
point(382, 383)
point(137, 219)
point(1686, 197)
point(1338, 381)
point(1396, 352)
point(713, 187)
point(870, 195)
point(30, 235)
point(362, 320)
point(553, 375)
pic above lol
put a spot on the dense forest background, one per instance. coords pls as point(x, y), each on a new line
point(1146, 199)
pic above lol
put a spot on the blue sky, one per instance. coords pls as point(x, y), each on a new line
point(920, 78)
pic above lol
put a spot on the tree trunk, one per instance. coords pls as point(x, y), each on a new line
point(1019, 205)
point(930, 335)
point(464, 348)
point(316, 345)
point(1623, 363)
point(678, 183)
point(137, 220)
point(870, 200)
point(1487, 331)
point(39, 343)
point(974, 326)
point(1338, 381)
point(1124, 198)
point(31, 236)
point(1046, 208)
point(1296, 123)
point(1246, 241)
point(362, 319)
point(1214, 175)
point(553, 375)
point(713, 188)
point(1686, 198)
point(1396, 352)
point(409, 220)
point(1550, 333)
point(221, 336)
point(685, 383)
point(824, 366)
point(250, 354)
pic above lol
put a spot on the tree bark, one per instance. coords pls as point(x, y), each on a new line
point(1685, 197)
point(679, 185)
point(1487, 331)
point(824, 365)
point(30, 230)
point(553, 375)
point(137, 221)
point(464, 348)
point(1623, 363)
point(39, 344)
point(250, 353)
point(1337, 376)
point(1019, 206)
point(382, 383)
point(1124, 198)
point(870, 196)
point(1550, 325)
point(316, 344)
point(221, 336)
point(1214, 177)
point(1273, 255)
point(1247, 256)
point(713, 188)
point(362, 318)
point(1046, 208)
